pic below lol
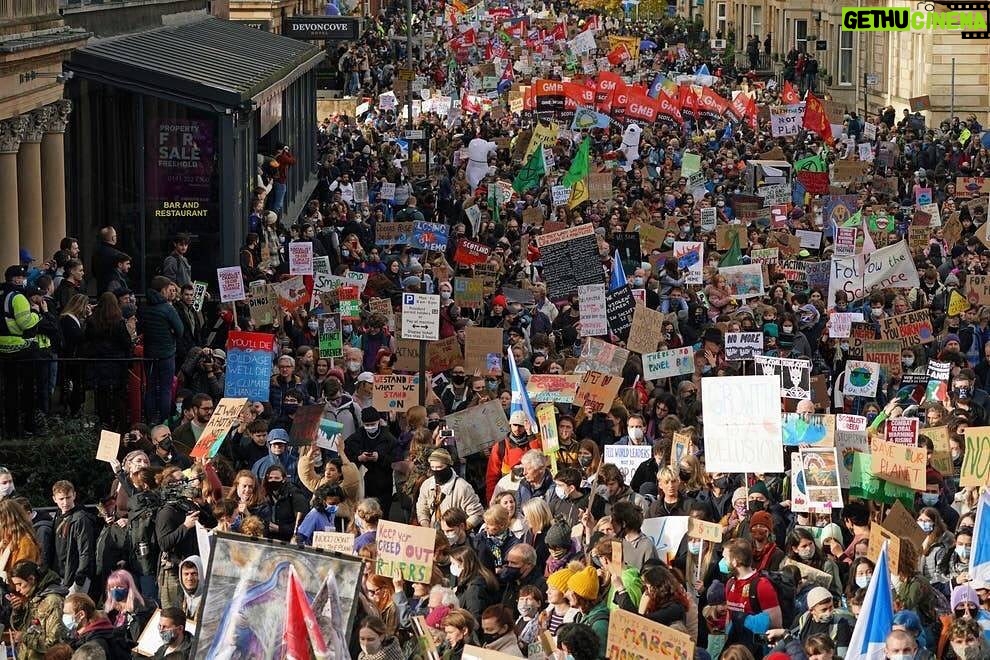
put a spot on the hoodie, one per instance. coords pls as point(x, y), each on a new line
point(191, 601)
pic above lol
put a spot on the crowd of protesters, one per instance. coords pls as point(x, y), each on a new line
point(524, 541)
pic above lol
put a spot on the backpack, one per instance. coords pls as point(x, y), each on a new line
point(141, 528)
point(112, 548)
point(786, 593)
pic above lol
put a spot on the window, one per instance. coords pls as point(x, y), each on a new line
point(801, 35)
point(720, 19)
point(845, 57)
point(756, 21)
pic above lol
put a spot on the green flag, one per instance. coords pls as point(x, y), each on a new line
point(493, 204)
point(579, 166)
point(734, 256)
point(811, 164)
point(531, 173)
point(854, 220)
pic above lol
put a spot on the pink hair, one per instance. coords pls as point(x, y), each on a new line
point(122, 578)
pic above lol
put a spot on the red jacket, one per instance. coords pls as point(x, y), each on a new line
point(505, 456)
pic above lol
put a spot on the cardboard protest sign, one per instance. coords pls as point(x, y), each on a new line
point(483, 350)
point(861, 378)
point(570, 258)
point(591, 307)
point(443, 355)
point(597, 391)
point(886, 353)
point(646, 332)
point(109, 446)
point(231, 284)
point(249, 364)
point(820, 469)
point(801, 429)
point(627, 457)
point(850, 437)
point(743, 345)
point(724, 234)
point(305, 425)
point(742, 407)
point(394, 393)
point(223, 419)
point(899, 464)
point(978, 288)
point(479, 427)
point(635, 637)
point(334, 542)
point(291, 293)
point(975, 469)
point(405, 551)
point(704, 530)
point(941, 455)
point(469, 292)
point(262, 304)
point(669, 363)
point(911, 329)
point(331, 343)
point(552, 388)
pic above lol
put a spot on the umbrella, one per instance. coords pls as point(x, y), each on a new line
point(646, 44)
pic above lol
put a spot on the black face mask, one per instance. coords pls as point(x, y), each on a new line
point(444, 475)
point(756, 505)
point(458, 379)
point(962, 393)
point(289, 408)
point(274, 486)
point(721, 483)
point(685, 475)
point(433, 424)
point(585, 461)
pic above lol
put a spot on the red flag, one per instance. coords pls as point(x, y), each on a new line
point(607, 84)
point(669, 111)
point(740, 106)
point(788, 94)
point(688, 101)
point(711, 104)
point(642, 107)
point(302, 636)
point(816, 120)
point(469, 104)
point(618, 55)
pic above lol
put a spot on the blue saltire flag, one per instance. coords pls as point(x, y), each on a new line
point(979, 556)
point(618, 274)
point(520, 397)
point(702, 71)
point(876, 617)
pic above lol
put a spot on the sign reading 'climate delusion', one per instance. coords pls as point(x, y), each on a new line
point(180, 167)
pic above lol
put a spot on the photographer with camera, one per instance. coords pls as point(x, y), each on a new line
point(203, 371)
point(175, 529)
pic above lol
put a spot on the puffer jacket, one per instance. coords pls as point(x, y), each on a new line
point(45, 607)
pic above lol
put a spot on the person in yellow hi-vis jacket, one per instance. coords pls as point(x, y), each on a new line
point(18, 345)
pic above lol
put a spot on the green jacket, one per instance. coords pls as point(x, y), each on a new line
point(40, 620)
point(597, 619)
point(634, 588)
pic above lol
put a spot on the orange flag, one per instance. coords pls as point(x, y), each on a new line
point(788, 94)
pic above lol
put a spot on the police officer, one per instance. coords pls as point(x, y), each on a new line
point(18, 344)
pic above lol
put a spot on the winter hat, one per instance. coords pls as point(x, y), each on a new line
point(558, 536)
point(818, 595)
point(435, 617)
point(584, 583)
point(778, 655)
point(558, 579)
point(441, 455)
point(739, 494)
point(499, 300)
point(278, 435)
point(369, 416)
point(950, 337)
point(761, 518)
point(716, 593)
point(760, 488)
point(964, 593)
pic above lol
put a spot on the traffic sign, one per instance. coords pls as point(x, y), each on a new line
point(872, 79)
point(420, 316)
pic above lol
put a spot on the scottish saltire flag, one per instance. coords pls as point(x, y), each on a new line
point(520, 397)
point(979, 556)
point(702, 71)
point(618, 274)
point(877, 616)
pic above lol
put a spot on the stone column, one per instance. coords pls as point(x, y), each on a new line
point(29, 184)
point(11, 131)
point(53, 175)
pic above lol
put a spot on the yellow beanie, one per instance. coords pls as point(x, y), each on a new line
point(584, 583)
point(558, 579)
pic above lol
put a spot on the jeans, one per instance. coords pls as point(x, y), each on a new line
point(278, 197)
point(158, 398)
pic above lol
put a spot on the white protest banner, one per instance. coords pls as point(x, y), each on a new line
point(869, 131)
point(561, 195)
point(420, 316)
point(786, 119)
point(743, 345)
point(709, 218)
point(334, 542)
point(300, 258)
point(388, 192)
point(742, 424)
point(850, 437)
point(777, 193)
point(591, 305)
point(840, 325)
point(666, 534)
point(231, 284)
point(865, 152)
point(887, 268)
point(811, 240)
point(354, 278)
point(665, 364)
point(861, 378)
point(627, 457)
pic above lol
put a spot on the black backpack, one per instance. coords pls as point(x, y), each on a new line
point(786, 592)
point(141, 527)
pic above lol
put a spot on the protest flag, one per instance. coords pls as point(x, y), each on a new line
point(876, 616)
point(734, 256)
point(789, 95)
point(531, 173)
point(618, 274)
point(579, 166)
point(302, 636)
point(520, 397)
point(816, 119)
point(505, 82)
point(979, 556)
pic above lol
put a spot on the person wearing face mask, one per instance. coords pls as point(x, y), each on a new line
point(792, 341)
point(821, 618)
point(956, 563)
point(497, 632)
point(90, 630)
point(635, 431)
point(124, 606)
point(457, 393)
point(752, 600)
point(285, 501)
point(966, 641)
point(443, 490)
point(176, 642)
point(938, 543)
point(376, 643)
point(801, 547)
point(371, 447)
point(449, 311)
point(965, 397)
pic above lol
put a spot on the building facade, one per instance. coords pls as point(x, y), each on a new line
point(874, 69)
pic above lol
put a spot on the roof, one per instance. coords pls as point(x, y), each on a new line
point(210, 60)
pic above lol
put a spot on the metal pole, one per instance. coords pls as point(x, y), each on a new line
point(422, 372)
point(409, 61)
point(952, 93)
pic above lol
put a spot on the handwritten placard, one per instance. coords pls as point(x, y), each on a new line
point(109, 446)
point(405, 551)
point(334, 541)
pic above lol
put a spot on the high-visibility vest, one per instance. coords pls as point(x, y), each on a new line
point(17, 319)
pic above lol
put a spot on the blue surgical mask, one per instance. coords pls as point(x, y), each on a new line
point(723, 565)
point(929, 499)
point(863, 581)
point(119, 594)
point(870, 416)
point(694, 547)
point(926, 526)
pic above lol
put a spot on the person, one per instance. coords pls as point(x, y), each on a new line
point(20, 325)
point(279, 455)
point(900, 644)
point(458, 627)
point(966, 640)
point(371, 447)
point(821, 618)
point(508, 452)
point(36, 600)
point(750, 596)
point(176, 265)
point(497, 632)
point(445, 490)
point(175, 527)
point(161, 329)
point(91, 630)
point(176, 642)
point(520, 571)
point(17, 534)
point(104, 258)
point(125, 607)
point(376, 643)
point(106, 337)
point(578, 641)
point(637, 547)
point(285, 501)
point(476, 586)
point(75, 539)
point(583, 593)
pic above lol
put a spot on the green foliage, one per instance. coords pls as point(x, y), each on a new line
point(65, 451)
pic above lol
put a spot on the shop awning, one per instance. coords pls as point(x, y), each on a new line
point(209, 61)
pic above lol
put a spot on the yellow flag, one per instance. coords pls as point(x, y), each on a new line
point(957, 304)
point(579, 193)
point(544, 135)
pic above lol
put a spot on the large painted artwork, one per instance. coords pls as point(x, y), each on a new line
point(244, 607)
